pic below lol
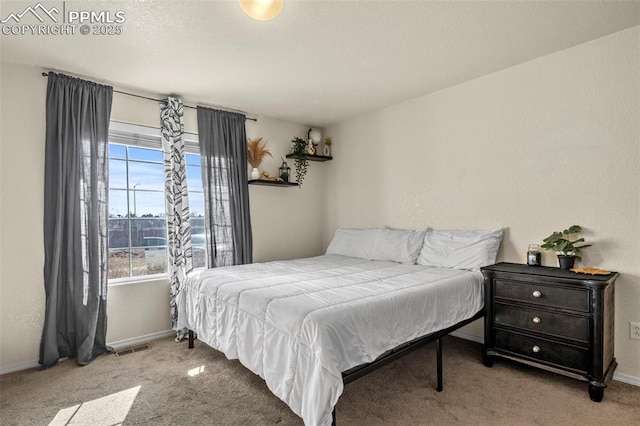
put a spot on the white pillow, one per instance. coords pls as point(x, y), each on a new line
point(460, 249)
point(377, 244)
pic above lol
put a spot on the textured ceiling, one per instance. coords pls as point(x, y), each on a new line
point(320, 61)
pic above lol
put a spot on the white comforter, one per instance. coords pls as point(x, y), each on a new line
point(298, 324)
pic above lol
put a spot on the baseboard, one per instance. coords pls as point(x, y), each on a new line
point(12, 368)
point(141, 339)
point(625, 378)
point(467, 336)
point(126, 342)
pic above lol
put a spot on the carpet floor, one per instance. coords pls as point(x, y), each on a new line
point(168, 384)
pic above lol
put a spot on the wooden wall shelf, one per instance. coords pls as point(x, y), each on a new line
point(310, 157)
point(272, 183)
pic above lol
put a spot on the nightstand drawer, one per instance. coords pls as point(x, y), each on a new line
point(560, 297)
point(543, 350)
point(551, 323)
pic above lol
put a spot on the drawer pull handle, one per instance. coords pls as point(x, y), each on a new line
point(536, 320)
point(536, 349)
point(536, 294)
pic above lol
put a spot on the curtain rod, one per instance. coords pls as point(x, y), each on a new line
point(44, 74)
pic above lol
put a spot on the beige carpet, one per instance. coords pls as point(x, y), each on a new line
point(171, 385)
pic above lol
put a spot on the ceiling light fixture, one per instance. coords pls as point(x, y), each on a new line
point(262, 10)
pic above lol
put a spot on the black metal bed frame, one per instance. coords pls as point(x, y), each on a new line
point(399, 351)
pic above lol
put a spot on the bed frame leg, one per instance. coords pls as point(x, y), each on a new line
point(190, 339)
point(333, 415)
point(439, 362)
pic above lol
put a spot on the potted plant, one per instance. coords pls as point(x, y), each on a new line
point(327, 146)
point(256, 152)
point(568, 251)
point(299, 152)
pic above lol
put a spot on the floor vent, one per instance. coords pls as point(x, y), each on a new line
point(131, 349)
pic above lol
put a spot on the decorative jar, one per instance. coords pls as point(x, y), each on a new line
point(534, 257)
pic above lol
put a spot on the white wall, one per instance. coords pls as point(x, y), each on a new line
point(533, 148)
point(22, 103)
point(287, 222)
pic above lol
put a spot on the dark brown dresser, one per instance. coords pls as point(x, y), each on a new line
point(553, 319)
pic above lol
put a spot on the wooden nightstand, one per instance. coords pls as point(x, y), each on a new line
point(553, 319)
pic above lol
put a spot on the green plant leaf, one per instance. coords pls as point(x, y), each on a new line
point(553, 238)
point(560, 242)
point(562, 246)
point(583, 246)
point(573, 229)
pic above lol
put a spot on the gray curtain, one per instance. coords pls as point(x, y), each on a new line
point(75, 220)
point(177, 202)
point(223, 149)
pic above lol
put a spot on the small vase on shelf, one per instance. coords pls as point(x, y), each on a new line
point(255, 173)
point(311, 148)
point(327, 146)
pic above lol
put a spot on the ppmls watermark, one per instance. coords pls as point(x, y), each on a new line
point(57, 20)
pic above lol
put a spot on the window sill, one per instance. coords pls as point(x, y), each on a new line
point(138, 280)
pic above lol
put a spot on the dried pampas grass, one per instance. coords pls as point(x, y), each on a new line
point(257, 151)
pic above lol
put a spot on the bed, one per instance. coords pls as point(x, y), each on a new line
point(308, 326)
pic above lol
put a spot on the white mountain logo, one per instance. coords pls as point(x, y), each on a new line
point(34, 11)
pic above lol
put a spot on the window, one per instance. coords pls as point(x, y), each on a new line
point(137, 218)
point(196, 210)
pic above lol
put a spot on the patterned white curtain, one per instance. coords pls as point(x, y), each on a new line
point(177, 205)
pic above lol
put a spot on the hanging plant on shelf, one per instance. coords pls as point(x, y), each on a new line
point(256, 152)
point(299, 151)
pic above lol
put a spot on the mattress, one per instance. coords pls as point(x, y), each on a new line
point(299, 323)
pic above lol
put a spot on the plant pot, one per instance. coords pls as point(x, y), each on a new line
point(566, 262)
